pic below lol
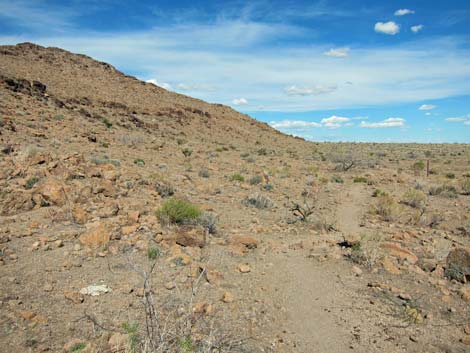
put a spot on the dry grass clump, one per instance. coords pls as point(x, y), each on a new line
point(258, 201)
point(415, 198)
point(447, 191)
point(386, 208)
point(465, 186)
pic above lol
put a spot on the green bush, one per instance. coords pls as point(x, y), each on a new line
point(256, 180)
point(450, 175)
point(31, 182)
point(237, 177)
point(447, 191)
point(139, 162)
point(106, 122)
point(378, 193)
point(415, 199)
point(187, 152)
point(337, 179)
point(204, 173)
point(360, 180)
point(176, 211)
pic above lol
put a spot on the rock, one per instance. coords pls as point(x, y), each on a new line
point(52, 192)
point(118, 342)
point(104, 187)
point(237, 249)
point(128, 230)
point(214, 277)
point(466, 340)
point(396, 250)
point(357, 271)
point(465, 293)
point(202, 308)
point(245, 240)
point(95, 237)
point(133, 217)
point(48, 287)
point(228, 297)
point(191, 237)
point(79, 214)
point(95, 290)
point(458, 264)
point(390, 267)
point(244, 268)
point(74, 297)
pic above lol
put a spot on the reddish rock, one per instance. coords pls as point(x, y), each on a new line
point(458, 264)
point(95, 237)
point(396, 250)
point(245, 240)
point(191, 237)
point(52, 192)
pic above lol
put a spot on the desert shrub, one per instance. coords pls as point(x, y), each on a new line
point(258, 201)
point(418, 166)
point(378, 193)
point(337, 179)
point(268, 187)
point(180, 141)
point(386, 208)
point(256, 180)
point(208, 221)
point(139, 162)
point(450, 175)
point(31, 182)
point(465, 186)
point(435, 219)
point(106, 122)
point(415, 198)
point(177, 211)
point(78, 347)
point(165, 189)
point(344, 161)
point(419, 185)
point(204, 173)
point(153, 253)
point(447, 191)
point(237, 177)
point(360, 180)
point(187, 151)
point(105, 160)
point(262, 152)
point(366, 250)
point(244, 155)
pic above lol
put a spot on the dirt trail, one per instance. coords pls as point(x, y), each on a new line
point(317, 295)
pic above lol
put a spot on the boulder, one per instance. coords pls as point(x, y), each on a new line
point(191, 237)
point(52, 192)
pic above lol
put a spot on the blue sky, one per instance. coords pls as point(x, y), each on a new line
point(344, 70)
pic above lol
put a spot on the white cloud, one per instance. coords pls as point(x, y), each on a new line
point(334, 122)
point(403, 12)
point(464, 118)
point(294, 124)
point(390, 28)
point(308, 91)
point(194, 87)
point(408, 72)
point(337, 52)
point(334, 119)
point(239, 101)
point(417, 28)
point(390, 122)
point(427, 107)
point(164, 85)
point(428, 114)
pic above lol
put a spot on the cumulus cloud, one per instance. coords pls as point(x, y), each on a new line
point(334, 122)
point(390, 122)
point(164, 85)
point(308, 91)
point(427, 107)
point(337, 52)
point(417, 28)
point(390, 28)
point(403, 12)
point(239, 101)
point(294, 124)
point(194, 87)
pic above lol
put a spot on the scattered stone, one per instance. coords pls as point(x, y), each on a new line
point(74, 297)
point(95, 290)
point(170, 285)
point(71, 346)
point(191, 237)
point(228, 297)
point(244, 268)
point(79, 214)
point(246, 240)
point(390, 267)
point(97, 236)
point(202, 308)
point(357, 271)
point(118, 342)
point(465, 293)
point(396, 250)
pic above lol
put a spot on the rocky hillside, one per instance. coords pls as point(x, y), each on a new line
point(133, 219)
